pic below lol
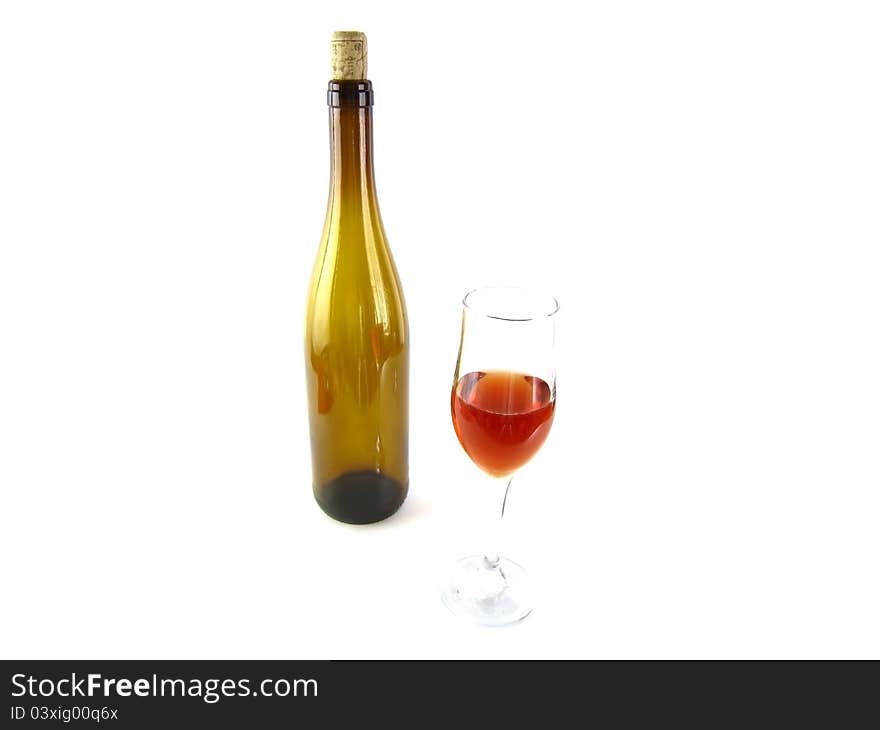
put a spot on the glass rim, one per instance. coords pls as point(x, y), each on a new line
point(534, 314)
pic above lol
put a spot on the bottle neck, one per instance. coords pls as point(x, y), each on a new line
point(351, 143)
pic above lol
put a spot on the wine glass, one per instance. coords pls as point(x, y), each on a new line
point(503, 401)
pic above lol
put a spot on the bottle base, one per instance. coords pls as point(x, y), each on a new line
point(361, 497)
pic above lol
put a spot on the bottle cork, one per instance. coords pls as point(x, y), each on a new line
point(348, 56)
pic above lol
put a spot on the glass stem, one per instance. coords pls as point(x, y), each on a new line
point(493, 558)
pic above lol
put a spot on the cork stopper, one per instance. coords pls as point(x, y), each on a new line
point(348, 56)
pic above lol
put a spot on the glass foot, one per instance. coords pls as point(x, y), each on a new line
point(489, 590)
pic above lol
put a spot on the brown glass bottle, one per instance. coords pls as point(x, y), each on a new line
point(357, 342)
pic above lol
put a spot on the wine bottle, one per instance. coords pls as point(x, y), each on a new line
point(357, 338)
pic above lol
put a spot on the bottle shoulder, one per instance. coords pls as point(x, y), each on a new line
point(355, 285)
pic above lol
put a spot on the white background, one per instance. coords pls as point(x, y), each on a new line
point(697, 182)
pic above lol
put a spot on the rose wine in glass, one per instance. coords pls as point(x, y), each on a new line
point(503, 403)
point(501, 418)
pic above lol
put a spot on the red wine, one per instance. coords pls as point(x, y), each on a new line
point(501, 418)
